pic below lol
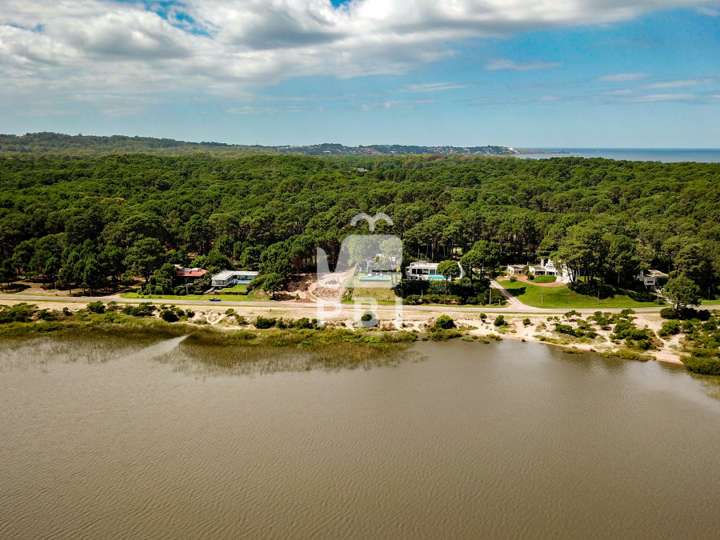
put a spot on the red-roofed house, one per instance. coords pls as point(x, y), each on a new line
point(189, 273)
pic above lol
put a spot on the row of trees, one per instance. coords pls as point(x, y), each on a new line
point(92, 221)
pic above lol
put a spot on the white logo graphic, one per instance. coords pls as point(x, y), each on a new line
point(365, 262)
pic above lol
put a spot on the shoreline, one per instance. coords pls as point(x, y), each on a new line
point(222, 323)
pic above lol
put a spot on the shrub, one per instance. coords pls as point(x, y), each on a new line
point(17, 313)
point(444, 322)
point(96, 307)
point(575, 332)
point(500, 321)
point(48, 315)
point(367, 317)
point(633, 336)
point(703, 366)
point(305, 324)
point(483, 317)
point(139, 310)
point(169, 315)
point(264, 323)
point(670, 328)
point(669, 313)
point(527, 322)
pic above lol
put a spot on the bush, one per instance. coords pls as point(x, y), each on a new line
point(500, 321)
point(305, 324)
point(580, 332)
point(96, 307)
point(444, 322)
point(685, 314)
point(139, 310)
point(527, 322)
point(263, 323)
point(633, 336)
point(17, 313)
point(483, 317)
point(703, 366)
point(169, 315)
point(367, 317)
point(670, 328)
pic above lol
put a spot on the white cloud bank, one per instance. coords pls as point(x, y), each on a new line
point(98, 50)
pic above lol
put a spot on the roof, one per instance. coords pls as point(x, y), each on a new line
point(656, 273)
point(190, 272)
point(229, 274)
point(421, 264)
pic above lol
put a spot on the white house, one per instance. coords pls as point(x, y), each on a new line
point(423, 271)
point(515, 269)
point(651, 278)
point(549, 268)
point(229, 278)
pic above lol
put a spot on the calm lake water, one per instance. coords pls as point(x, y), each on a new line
point(632, 154)
point(117, 440)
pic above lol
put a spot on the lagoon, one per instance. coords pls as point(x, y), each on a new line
point(165, 439)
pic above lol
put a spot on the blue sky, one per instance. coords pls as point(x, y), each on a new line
point(525, 74)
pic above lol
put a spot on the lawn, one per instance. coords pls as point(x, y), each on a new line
point(563, 297)
point(381, 296)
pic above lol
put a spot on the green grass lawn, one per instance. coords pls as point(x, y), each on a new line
point(381, 296)
point(563, 297)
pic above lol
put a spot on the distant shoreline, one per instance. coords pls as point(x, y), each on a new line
point(663, 155)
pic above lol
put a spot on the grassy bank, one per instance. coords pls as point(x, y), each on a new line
point(327, 347)
point(564, 298)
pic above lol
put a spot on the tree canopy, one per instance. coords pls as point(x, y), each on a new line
point(86, 220)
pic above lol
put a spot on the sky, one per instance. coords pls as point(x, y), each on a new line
point(522, 73)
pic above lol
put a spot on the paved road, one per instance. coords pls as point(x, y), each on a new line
point(514, 307)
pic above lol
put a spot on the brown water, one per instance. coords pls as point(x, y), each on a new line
point(505, 440)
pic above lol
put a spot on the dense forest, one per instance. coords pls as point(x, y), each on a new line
point(96, 220)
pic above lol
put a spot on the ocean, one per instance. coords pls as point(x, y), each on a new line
point(665, 155)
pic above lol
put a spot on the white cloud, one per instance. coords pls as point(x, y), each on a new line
point(510, 65)
point(85, 49)
point(657, 98)
point(673, 84)
point(710, 11)
point(623, 77)
point(433, 87)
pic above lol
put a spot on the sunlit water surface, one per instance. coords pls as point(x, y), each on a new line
point(141, 439)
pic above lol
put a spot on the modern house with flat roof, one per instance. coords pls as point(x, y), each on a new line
point(423, 271)
point(230, 278)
